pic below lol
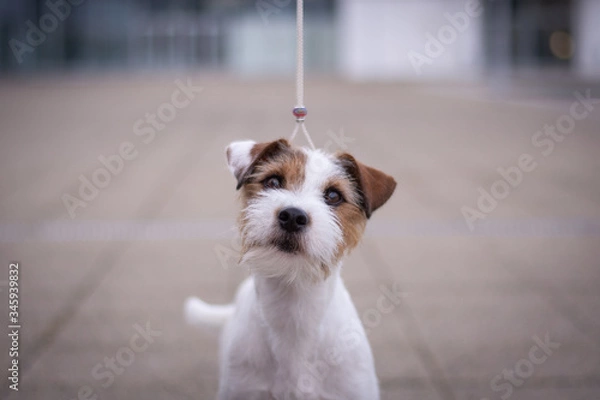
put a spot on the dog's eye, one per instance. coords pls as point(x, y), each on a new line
point(333, 197)
point(273, 182)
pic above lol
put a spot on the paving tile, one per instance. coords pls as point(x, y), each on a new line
point(471, 304)
point(526, 393)
point(437, 262)
point(49, 276)
point(476, 337)
point(392, 393)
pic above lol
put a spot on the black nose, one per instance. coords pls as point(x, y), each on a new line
point(292, 219)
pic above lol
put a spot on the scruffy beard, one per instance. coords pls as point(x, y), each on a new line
point(306, 256)
point(292, 243)
point(291, 268)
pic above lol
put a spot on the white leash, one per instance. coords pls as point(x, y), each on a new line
point(300, 111)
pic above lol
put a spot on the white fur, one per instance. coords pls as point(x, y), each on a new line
point(323, 234)
point(208, 316)
point(293, 334)
point(239, 156)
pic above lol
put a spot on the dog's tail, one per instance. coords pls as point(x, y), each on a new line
point(208, 316)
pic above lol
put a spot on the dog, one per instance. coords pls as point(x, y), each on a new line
point(293, 331)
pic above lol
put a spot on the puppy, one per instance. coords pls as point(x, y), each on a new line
point(293, 331)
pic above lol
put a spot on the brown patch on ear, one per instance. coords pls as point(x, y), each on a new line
point(375, 187)
point(261, 152)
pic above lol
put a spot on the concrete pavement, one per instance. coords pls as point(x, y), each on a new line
point(506, 310)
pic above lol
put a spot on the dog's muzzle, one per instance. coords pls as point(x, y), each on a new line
point(292, 221)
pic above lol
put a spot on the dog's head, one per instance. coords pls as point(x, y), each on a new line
point(302, 209)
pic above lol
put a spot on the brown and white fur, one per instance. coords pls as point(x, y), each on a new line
point(293, 331)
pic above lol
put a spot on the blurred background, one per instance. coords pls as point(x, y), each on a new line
point(116, 202)
point(357, 39)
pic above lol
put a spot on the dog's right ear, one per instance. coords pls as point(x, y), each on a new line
point(243, 156)
point(374, 186)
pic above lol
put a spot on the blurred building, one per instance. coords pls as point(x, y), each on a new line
point(361, 39)
point(406, 39)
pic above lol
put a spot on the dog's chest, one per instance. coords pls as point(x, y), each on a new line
point(313, 343)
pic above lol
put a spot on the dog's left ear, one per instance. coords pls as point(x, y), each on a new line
point(243, 156)
point(375, 186)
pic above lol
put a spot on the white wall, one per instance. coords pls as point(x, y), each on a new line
point(376, 38)
point(587, 38)
point(267, 48)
